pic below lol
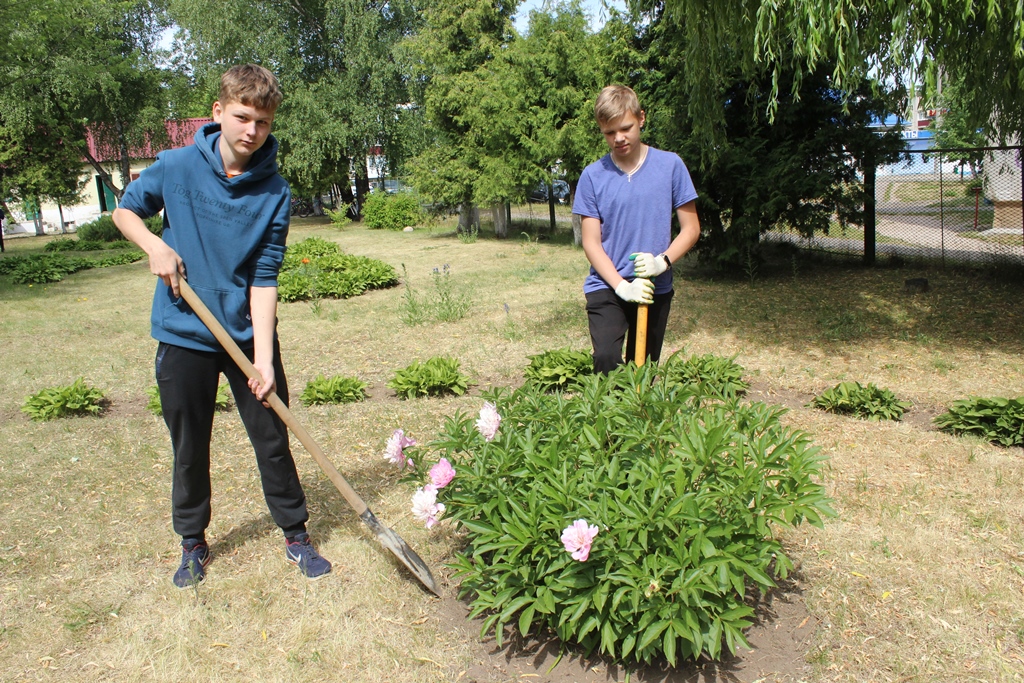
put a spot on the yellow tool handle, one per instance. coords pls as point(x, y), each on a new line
point(641, 334)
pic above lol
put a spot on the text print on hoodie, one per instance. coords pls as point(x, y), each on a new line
point(230, 233)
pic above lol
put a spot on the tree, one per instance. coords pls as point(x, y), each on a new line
point(451, 55)
point(976, 42)
point(791, 162)
point(559, 67)
point(88, 62)
point(335, 61)
point(517, 117)
point(40, 160)
point(954, 129)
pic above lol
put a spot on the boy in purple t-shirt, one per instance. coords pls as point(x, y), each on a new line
point(626, 200)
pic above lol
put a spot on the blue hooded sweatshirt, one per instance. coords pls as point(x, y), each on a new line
point(230, 232)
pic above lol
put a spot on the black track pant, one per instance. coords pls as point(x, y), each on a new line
point(611, 318)
point(188, 388)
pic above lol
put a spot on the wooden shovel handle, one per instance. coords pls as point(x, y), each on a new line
point(273, 399)
point(641, 334)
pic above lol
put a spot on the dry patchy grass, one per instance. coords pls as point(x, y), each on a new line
point(920, 578)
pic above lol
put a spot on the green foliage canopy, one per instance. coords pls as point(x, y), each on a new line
point(980, 42)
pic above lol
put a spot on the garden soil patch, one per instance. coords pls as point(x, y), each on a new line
point(780, 640)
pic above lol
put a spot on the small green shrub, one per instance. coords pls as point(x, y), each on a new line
point(43, 268)
point(469, 235)
point(436, 377)
point(62, 244)
point(447, 304)
point(999, 420)
point(335, 389)
point(310, 248)
point(866, 402)
point(411, 311)
point(558, 369)
point(339, 218)
point(102, 229)
point(8, 264)
point(391, 211)
point(711, 375)
point(54, 402)
point(122, 259)
point(687, 497)
point(316, 268)
point(221, 403)
point(69, 244)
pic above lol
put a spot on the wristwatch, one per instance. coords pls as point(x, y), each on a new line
point(668, 263)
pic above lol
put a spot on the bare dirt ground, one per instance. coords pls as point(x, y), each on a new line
point(779, 641)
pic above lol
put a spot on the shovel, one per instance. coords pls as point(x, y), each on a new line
point(641, 334)
point(389, 538)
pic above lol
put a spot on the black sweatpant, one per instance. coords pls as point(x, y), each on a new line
point(188, 382)
point(611, 318)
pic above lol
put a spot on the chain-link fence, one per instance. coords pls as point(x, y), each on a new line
point(952, 206)
point(539, 214)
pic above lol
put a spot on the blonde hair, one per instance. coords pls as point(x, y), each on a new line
point(251, 85)
point(614, 102)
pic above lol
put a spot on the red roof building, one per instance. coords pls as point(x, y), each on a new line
point(179, 134)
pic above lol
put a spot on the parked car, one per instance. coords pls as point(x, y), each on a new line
point(540, 193)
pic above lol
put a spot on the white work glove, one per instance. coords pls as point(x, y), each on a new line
point(639, 291)
point(649, 265)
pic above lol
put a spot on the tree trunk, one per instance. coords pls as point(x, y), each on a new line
point(318, 205)
point(125, 160)
point(38, 220)
point(63, 226)
point(362, 185)
point(500, 224)
point(102, 173)
point(469, 218)
point(551, 204)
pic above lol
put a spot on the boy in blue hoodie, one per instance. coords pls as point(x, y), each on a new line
point(226, 215)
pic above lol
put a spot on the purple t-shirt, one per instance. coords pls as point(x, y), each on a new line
point(635, 213)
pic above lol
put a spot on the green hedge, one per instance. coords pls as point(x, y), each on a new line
point(103, 229)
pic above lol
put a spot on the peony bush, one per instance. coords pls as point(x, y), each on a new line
point(636, 517)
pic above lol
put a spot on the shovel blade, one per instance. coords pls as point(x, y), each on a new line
point(393, 542)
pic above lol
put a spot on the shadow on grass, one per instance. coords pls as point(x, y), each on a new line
point(834, 305)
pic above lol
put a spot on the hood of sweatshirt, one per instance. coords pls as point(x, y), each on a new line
point(262, 164)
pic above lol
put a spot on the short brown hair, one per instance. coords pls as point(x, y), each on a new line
point(614, 102)
point(251, 85)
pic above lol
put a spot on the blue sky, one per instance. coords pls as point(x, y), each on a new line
point(592, 7)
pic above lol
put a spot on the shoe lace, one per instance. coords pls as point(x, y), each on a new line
point(305, 552)
point(192, 560)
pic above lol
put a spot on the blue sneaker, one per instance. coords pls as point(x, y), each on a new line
point(299, 551)
point(195, 555)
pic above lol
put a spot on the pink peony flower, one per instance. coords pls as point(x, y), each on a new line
point(425, 506)
point(577, 539)
point(489, 421)
point(396, 444)
point(442, 473)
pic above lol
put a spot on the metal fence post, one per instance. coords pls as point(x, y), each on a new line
point(942, 214)
point(869, 211)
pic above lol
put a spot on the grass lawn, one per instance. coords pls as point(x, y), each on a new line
point(920, 578)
